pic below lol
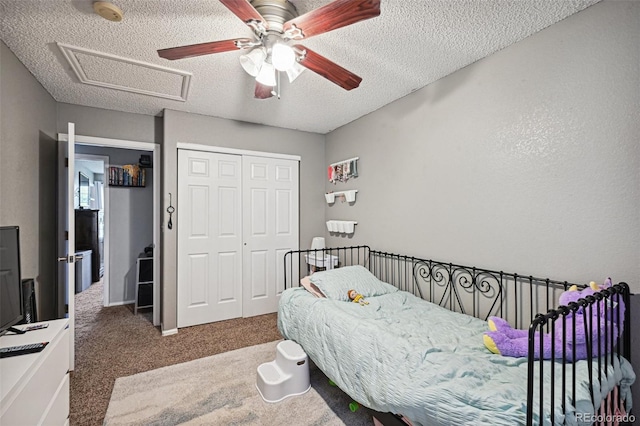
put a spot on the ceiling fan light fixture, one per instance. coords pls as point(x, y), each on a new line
point(252, 61)
point(294, 71)
point(267, 75)
point(282, 56)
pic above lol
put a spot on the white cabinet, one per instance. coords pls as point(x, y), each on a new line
point(35, 387)
point(83, 270)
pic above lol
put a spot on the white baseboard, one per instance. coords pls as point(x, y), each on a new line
point(125, 302)
point(169, 332)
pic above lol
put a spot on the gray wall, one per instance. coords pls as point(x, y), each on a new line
point(525, 161)
point(130, 224)
point(28, 157)
point(110, 124)
point(192, 128)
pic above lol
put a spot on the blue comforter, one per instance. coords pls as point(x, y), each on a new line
point(404, 355)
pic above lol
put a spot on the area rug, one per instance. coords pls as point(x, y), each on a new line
point(221, 390)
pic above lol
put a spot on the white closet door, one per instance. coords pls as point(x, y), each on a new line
point(209, 237)
point(270, 227)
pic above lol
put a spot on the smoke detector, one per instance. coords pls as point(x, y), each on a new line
point(108, 11)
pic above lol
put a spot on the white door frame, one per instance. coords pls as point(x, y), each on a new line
point(224, 150)
point(66, 232)
point(105, 207)
point(141, 146)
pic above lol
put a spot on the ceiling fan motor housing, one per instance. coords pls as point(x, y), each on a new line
point(275, 12)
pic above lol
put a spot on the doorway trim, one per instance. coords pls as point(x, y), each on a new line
point(157, 174)
point(105, 207)
point(225, 150)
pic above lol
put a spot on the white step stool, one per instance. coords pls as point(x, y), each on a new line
point(287, 375)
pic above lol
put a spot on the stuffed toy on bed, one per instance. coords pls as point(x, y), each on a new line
point(356, 297)
point(504, 340)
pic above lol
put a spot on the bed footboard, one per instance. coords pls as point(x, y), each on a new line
point(604, 322)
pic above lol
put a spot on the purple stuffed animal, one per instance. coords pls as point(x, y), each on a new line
point(504, 340)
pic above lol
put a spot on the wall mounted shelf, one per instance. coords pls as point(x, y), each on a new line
point(344, 161)
point(130, 175)
point(341, 226)
point(343, 170)
point(349, 196)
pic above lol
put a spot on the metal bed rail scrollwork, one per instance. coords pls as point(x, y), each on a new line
point(482, 293)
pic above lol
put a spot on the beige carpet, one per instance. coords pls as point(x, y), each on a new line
point(221, 390)
point(112, 342)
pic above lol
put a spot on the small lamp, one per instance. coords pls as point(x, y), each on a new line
point(317, 243)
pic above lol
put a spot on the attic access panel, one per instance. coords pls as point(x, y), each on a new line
point(129, 75)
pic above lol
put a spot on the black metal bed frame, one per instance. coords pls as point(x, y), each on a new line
point(524, 301)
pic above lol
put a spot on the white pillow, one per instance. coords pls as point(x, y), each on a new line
point(336, 283)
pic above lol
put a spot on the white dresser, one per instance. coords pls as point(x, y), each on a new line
point(35, 387)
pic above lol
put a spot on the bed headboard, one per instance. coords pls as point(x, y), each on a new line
point(467, 289)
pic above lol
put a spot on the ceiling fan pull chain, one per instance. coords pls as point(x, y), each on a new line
point(277, 88)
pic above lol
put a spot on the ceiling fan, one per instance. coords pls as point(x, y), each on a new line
point(277, 26)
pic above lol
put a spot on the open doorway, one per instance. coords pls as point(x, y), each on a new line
point(137, 155)
point(90, 198)
point(118, 204)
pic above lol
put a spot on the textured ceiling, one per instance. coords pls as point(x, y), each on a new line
point(411, 44)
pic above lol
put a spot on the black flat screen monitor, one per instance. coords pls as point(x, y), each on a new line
point(11, 306)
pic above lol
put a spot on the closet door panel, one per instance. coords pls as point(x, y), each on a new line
point(227, 273)
point(258, 207)
point(209, 237)
point(199, 220)
point(199, 271)
point(228, 224)
point(259, 273)
point(283, 213)
point(270, 193)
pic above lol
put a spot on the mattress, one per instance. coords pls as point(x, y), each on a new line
point(404, 355)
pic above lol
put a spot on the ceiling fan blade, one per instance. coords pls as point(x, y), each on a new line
point(328, 69)
point(262, 91)
point(192, 50)
point(245, 11)
point(336, 14)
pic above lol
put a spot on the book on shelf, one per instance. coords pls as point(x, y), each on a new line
point(127, 175)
